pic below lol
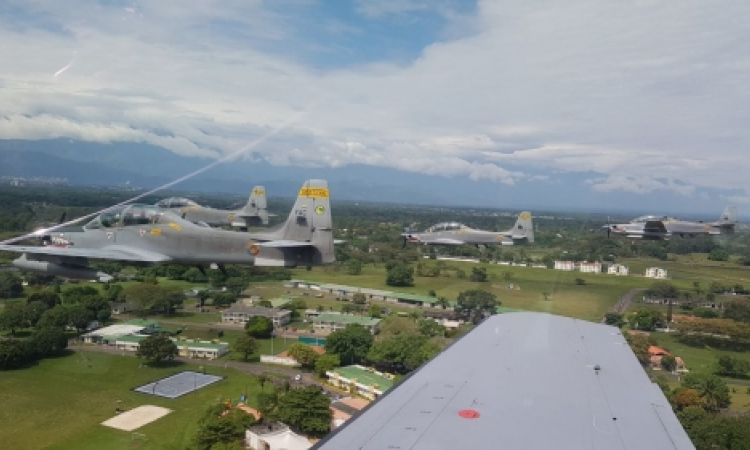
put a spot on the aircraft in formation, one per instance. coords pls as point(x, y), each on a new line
point(657, 228)
point(146, 234)
point(454, 233)
point(255, 212)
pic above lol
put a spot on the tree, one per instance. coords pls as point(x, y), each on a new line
point(430, 328)
point(13, 354)
point(156, 348)
point(262, 379)
point(718, 254)
point(79, 317)
point(268, 401)
point(640, 344)
point(259, 327)
point(48, 341)
point(47, 296)
point(12, 318)
point(236, 285)
point(400, 274)
point(686, 397)
point(56, 317)
point(265, 304)
point(144, 296)
point(33, 311)
point(221, 425)
point(580, 281)
point(245, 345)
point(194, 275)
point(354, 267)
point(729, 366)
point(668, 363)
point(303, 354)
point(326, 363)
point(647, 319)
point(374, 311)
point(442, 302)
point(712, 389)
point(224, 299)
point(478, 274)
point(306, 409)
point(474, 305)
point(738, 310)
point(103, 315)
point(351, 344)
point(662, 289)
point(612, 318)
point(402, 352)
point(112, 294)
point(11, 286)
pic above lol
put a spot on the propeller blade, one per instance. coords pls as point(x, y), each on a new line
point(609, 232)
point(62, 217)
point(403, 245)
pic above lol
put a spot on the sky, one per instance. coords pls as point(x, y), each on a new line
point(645, 98)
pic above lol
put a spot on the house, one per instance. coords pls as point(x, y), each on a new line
point(274, 436)
point(328, 323)
point(590, 267)
point(565, 265)
point(360, 380)
point(121, 307)
point(108, 335)
point(415, 299)
point(239, 313)
point(656, 272)
point(186, 348)
point(657, 353)
point(618, 269)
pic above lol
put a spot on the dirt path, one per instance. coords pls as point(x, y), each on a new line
point(623, 304)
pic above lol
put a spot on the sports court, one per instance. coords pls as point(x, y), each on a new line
point(178, 384)
point(137, 417)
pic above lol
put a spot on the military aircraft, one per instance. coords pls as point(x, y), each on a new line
point(453, 233)
point(255, 211)
point(146, 234)
point(656, 228)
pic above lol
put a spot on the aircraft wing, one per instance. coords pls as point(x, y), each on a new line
point(445, 241)
point(521, 381)
point(654, 226)
point(284, 244)
point(116, 252)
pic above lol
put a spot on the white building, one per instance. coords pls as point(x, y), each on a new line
point(656, 272)
point(565, 265)
point(618, 269)
point(275, 436)
point(593, 267)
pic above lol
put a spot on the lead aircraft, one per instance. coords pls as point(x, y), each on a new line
point(454, 233)
point(145, 234)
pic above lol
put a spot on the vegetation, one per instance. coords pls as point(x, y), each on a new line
point(304, 409)
point(222, 425)
point(245, 345)
point(350, 344)
point(259, 327)
point(157, 348)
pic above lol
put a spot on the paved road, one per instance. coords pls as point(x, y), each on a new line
point(623, 304)
point(251, 368)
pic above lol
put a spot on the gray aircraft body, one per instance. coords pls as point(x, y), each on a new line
point(255, 211)
point(656, 228)
point(151, 235)
point(453, 233)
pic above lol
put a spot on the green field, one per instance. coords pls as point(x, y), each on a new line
point(60, 403)
point(590, 301)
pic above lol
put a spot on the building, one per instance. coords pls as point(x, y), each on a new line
point(415, 299)
point(274, 436)
point(121, 307)
point(590, 267)
point(360, 380)
point(618, 269)
point(108, 335)
point(328, 323)
point(187, 348)
point(565, 265)
point(656, 272)
point(240, 314)
point(657, 353)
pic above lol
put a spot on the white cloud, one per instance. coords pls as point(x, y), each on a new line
point(649, 96)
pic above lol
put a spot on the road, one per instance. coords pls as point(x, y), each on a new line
point(623, 304)
point(250, 368)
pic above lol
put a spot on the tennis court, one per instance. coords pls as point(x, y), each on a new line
point(178, 384)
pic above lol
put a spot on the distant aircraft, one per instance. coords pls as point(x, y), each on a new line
point(453, 233)
point(494, 389)
point(152, 235)
point(255, 211)
point(655, 228)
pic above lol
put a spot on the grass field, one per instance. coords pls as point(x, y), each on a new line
point(590, 301)
point(60, 403)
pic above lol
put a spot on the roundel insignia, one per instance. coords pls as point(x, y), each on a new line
point(253, 248)
point(320, 209)
point(231, 217)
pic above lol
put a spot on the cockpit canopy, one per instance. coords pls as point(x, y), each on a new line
point(130, 215)
point(175, 202)
point(644, 219)
point(445, 226)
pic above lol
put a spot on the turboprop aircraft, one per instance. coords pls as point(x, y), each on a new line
point(255, 211)
point(656, 228)
point(454, 233)
point(145, 234)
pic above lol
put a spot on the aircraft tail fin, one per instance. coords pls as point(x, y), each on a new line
point(257, 206)
point(524, 227)
point(309, 226)
point(727, 220)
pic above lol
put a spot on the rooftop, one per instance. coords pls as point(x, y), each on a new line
point(415, 297)
point(365, 377)
point(255, 310)
point(113, 331)
point(346, 319)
